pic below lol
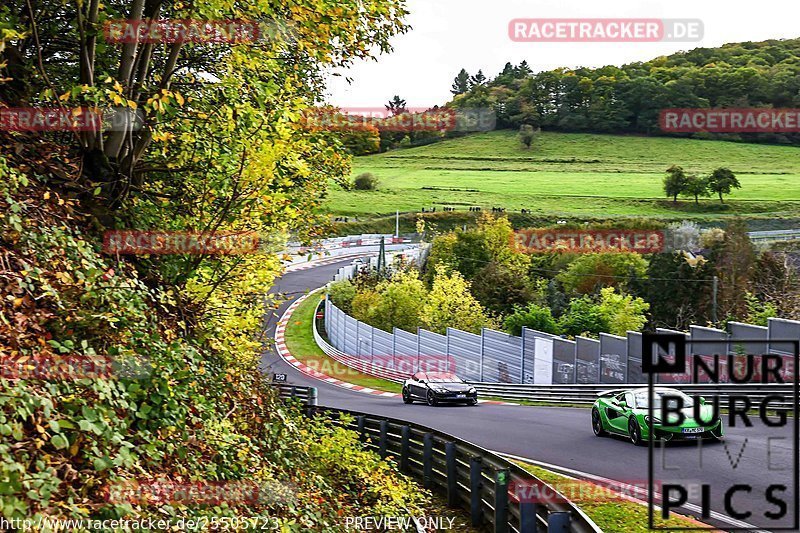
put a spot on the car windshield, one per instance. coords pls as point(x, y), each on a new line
point(641, 398)
point(444, 377)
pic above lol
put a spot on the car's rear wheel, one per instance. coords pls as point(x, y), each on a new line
point(634, 431)
point(597, 424)
point(431, 399)
point(407, 396)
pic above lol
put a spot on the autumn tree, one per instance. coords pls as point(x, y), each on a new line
point(450, 304)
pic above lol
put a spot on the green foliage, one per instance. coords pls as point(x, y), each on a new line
point(450, 304)
point(365, 182)
point(526, 135)
point(622, 312)
point(589, 272)
point(583, 317)
point(675, 182)
point(532, 316)
point(696, 187)
point(723, 181)
point(460, 83)
point(759, 313)
point(341, 294)
point(396, 302)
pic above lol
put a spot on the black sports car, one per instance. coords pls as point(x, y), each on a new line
point(438, 387)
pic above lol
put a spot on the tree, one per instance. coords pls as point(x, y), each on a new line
point(398, 302)
point(526, 135)
point(500, 288)
point(679, 290)
point(477, 80)
point(723, 181)
point(461, 83)
point(674, 182)
point(591, 271)
point(396, 106)
point(583, 317)
point(341, 294)
point(734, 260)
point(532, 316)
point(622, 313)
point(450, 304)
point(696, 186)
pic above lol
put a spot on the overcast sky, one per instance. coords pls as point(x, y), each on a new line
point(450, 34)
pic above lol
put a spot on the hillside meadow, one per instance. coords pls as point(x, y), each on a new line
point(572, 174)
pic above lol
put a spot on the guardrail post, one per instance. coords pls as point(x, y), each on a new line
point(558, 522)
point(294, 392)
point(501, 501)
point(452, 474)
point(427, 460)
point(475, 486)
point(405, 444)
point(361, 431)
point(312, 396)
point(383, 437)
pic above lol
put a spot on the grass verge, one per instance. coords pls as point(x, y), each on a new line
point(301, 344)
point(618, 515)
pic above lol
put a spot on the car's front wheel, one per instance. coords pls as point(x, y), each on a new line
point(634, 431)
point(407, 396)
point(597, 424)
point(431, 399)
point(473, 401)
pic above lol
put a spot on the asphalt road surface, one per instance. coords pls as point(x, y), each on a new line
point(757, 456)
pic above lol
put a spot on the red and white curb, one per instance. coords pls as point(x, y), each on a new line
point(283, 351)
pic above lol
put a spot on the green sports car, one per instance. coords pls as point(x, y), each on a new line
point(624, 412)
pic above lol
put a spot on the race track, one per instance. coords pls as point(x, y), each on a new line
point(563, 436)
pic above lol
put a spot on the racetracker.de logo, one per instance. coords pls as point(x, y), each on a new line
point(183, 31)
point(532, 30)
point(732, 120)
point(411, 119)
point(70, 119)
point(180, 242)
point(588, 241)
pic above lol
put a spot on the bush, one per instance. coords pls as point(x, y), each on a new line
point(533, 317)
point(365, 182)
point(341, 294)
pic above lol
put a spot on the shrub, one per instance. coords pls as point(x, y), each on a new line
point(534, 317)
point(341, 294)
point(365, 182)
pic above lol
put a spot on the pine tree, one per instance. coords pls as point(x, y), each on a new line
point(461, 83)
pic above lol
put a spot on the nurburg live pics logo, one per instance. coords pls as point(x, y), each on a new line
point(775, 495)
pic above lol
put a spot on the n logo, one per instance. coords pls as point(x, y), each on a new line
point(663, 365)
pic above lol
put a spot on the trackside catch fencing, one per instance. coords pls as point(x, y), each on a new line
point(538, 358)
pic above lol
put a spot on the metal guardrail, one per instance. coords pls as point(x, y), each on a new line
point(469, 476)
point(775, 235)
point(587, 394)
point(306, 395)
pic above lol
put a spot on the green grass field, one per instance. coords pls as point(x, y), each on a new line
point(573, 175)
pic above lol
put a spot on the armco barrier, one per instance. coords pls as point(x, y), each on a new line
point(467, 475)
point(587, 394)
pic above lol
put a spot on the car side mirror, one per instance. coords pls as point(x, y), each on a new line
point(623, 404)
point(423, 381)
point(702, 400)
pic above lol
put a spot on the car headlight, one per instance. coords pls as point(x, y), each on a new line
point(472, 390)
point(439, 390)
